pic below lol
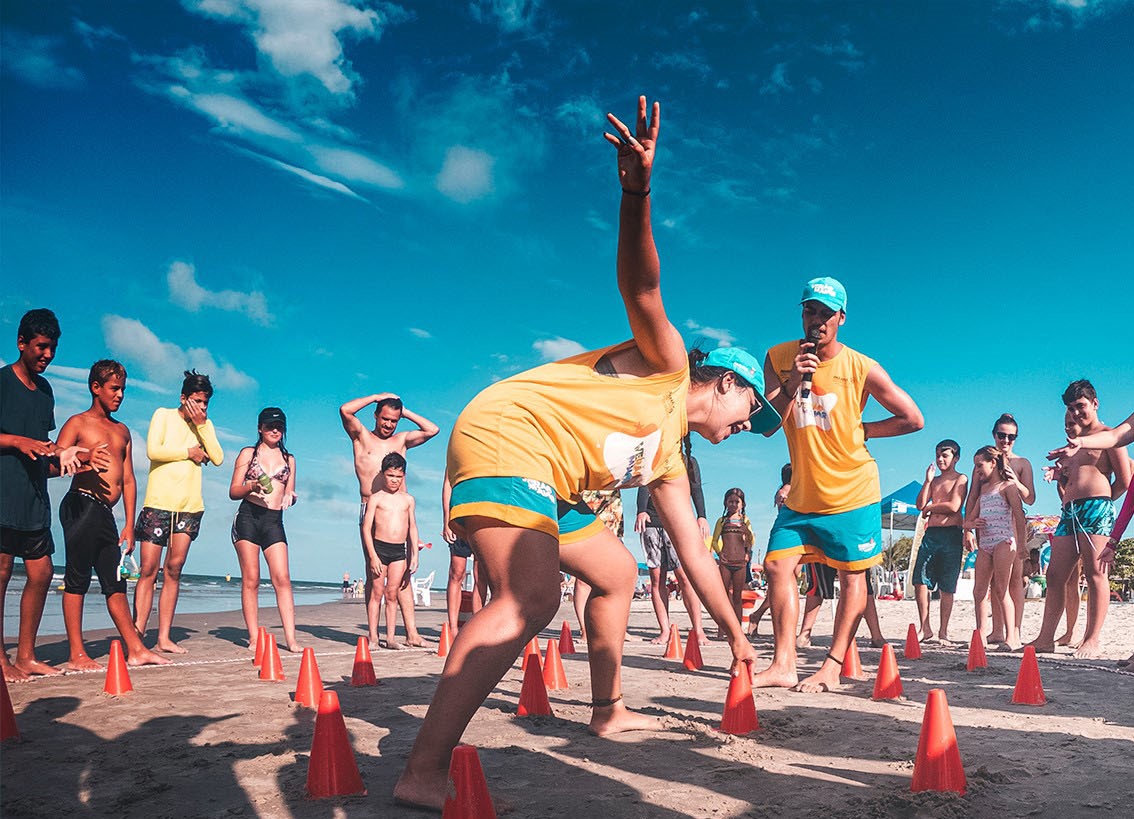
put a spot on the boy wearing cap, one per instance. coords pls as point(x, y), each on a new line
point(831, 514)
point(941, 553)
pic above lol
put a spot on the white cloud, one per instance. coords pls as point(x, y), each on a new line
point(553, 349)
point(79, 376)
point(582, 113)
point(232, 113)
point(184, 291)
point(466, 174)
point(417, 331)
point(355, 166)
point(724, 338)
point(685, 61)
point(777, 82)
point(306, 175)
point(163, 361)
point(509, 15)
point(33, 59)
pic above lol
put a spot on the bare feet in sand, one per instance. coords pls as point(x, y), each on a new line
point(1042, 648)
point(81, 662)
point(170, 647)
point(661, 638)
point(823, 680)
point(34, 667)
point(617, 718)
point(13, 674)
point(1064, 640)
point(295, 648)
point(394, 645)
point(1088, 650)
point(803, 641)
point(424, 790)
point(775, 676)
point(418, 643)
point(146, 657)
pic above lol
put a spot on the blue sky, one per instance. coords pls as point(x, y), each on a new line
point(313, 201)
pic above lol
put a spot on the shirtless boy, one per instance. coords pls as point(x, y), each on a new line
point(370, 447)
point(1086, 522)
point(388, 524)
point(86, 512)
point(939, 559)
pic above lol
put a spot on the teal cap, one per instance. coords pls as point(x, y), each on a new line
point(826, 290)
point(764, 418)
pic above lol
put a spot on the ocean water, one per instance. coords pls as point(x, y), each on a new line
point(199, 594)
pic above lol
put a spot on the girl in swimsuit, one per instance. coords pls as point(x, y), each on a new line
point(732, 541)
point(263, 480)
point(994, 517)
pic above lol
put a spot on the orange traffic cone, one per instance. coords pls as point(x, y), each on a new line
point(271, 668)
point(566, 642)
point(309, 688)
point(531, 648)
point(467, 796)
point(740, 709)
point(913, 645)
point(8, 728)
point(553, 674)
point(937, 766)
point(332, 771)
point(363, 673)
point(692, 659)
point(1029, 686)
point(852, 663)
point(977, 657)
point(888, 683)
point(446, 641)
point(261, 643)
point(673, 647)
point(533, 693)
point(117, 675)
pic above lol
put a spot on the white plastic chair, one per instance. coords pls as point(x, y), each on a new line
point(421, 596)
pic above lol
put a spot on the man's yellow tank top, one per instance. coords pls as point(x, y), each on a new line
point(574, 429)
point(832, 471)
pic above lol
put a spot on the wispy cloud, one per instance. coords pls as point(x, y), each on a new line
point(466, 174)
point(509, 15)
point(724, 338)
point(553, 349)
point(419, 333)
point(307, 176)
point(35, 60)
point(1045, 15)
point(136, 344)
point(185, 291)
point(689, 62)
point(583, 114)
point(777, 82)
point(79, 376)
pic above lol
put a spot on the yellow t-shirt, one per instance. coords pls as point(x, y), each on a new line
point(570, 427)
point(832, 471)
point(174, 483)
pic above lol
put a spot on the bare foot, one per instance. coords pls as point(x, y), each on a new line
point(1065, 640)
point(294, 648)
point(393, 645)
point(995, 638)
point(661, 638)
point(170, 647)
point(13, 674)
point(1042, 648)
point(1088, 650)
point(35, 668)
point(81, 662)
point(617, 718)
point(927, 635)
point(146, 657)
point(803, 641)
point(422, 790)
point(823, 680)
point(702, 637)
point(418, 643)
point(775, 676)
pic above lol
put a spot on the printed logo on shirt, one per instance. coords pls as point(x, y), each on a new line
point(629, 459)
point(815, 410)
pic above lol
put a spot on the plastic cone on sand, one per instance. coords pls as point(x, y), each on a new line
point(446, 641)
point(8, 728)
point(852, 663)
point(977, 657)
point(332, 770)
point(888, 683)
point(740, 709)
point(692, 659)
point(363, 672)
point(937, 766)
point(271, 668)
point(261, 642)
point(532, 648)
point(673, 647)
point(467, 796)
point(553, 673)
point(533, 693)
point(912, 650)
point(117, 675)
point(1029, 686)
point(309, 688)
point(566, 642)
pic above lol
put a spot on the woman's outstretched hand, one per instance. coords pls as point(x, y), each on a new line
point(636, 150)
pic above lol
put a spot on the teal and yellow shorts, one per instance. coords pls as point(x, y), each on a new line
point(850, 540)
point(526, 503)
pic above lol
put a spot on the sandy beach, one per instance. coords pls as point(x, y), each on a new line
point(205, 737)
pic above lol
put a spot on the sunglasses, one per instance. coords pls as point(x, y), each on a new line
point(276, 426)
point(1005, 436)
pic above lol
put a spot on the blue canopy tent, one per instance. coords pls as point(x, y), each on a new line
point(899, 509)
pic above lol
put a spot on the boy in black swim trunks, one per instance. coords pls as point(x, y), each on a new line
point(89, 530)
point(939, 558)
point(388, 525)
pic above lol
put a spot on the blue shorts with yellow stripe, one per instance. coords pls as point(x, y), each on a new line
point(526, 503)
point(849, 540)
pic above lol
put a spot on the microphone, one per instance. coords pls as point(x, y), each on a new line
point(812, 339)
